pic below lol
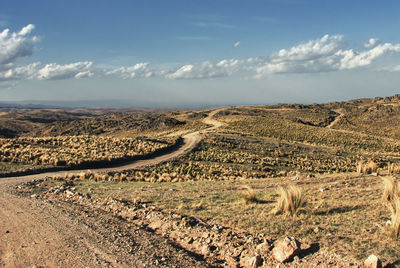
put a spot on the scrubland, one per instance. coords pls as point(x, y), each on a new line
point(324, 173)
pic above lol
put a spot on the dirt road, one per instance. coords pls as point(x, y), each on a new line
point(34, 233)
point(337, 119)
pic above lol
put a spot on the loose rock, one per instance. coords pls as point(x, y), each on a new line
point(286, 249)
point(372, 262)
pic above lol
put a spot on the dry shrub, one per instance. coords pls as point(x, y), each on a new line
point(360, 167)
point(390, 190)
point(249, 196)
point(289, 201)
point(371, 167)
point(390, 168)
point(393, 168)
point(391, 197)
point(396, 218)
point(199, 206)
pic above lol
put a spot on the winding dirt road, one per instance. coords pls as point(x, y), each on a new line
point(34, 233)
point(337, 119)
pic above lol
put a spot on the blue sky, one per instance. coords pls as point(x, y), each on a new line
point(182, 53)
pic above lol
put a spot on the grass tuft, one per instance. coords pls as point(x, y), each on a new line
point(396, 218)
point(391, 197)
point(249, 196)
point(289, 201)
point(390, 191)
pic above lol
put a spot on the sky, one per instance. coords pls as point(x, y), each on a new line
point(186, 53)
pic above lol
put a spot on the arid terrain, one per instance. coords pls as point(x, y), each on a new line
point(286, 185)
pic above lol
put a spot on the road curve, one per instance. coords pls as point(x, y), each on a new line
point(190, 140)
point(34, 233)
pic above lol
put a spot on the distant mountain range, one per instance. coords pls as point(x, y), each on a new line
point(46, 104)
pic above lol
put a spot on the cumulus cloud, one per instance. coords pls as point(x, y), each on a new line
point(322, 55)
point(16, 45)
point(22, 72)
point(20, 44)
point(352, 59)
point(55, 71)
point(50, 71)
point(236, 44)
point(205, 69)
point(138, 70)
point(372, 42)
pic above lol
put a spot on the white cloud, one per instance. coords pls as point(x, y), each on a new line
point(138, 70)
point(353, 59)
point(16, 45)
point(55, 71)
point(50, 71)
point(395, 68)
point(205, 69)
point(236, 44)
point(322, 55)
point(19, 44)
point(18, 73)
point(372, 42)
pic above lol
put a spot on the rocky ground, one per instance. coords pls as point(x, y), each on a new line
point(46, 233)
point(119, 233)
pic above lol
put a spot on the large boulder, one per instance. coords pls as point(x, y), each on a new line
point(285, 249)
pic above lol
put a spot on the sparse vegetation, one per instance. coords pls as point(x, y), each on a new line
point(293, 148)
point(77, 150)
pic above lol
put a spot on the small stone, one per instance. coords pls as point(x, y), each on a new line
point(155, 225)
point(317, 230)
point(33, 195)
point(372, 262)
point(205, 250)
point(285, 249)
point(231, 262)
point(255, 261)
point(7, 232)
point(263, 248)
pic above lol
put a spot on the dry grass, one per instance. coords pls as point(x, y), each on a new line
point(360, 167)
point(249, 196)
point(390, 168)
point(390, 191)
point(396, 218)
point(391, 197)
point(371, 167)
point(348, 213)
point(393, 168)
point(289, 201)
